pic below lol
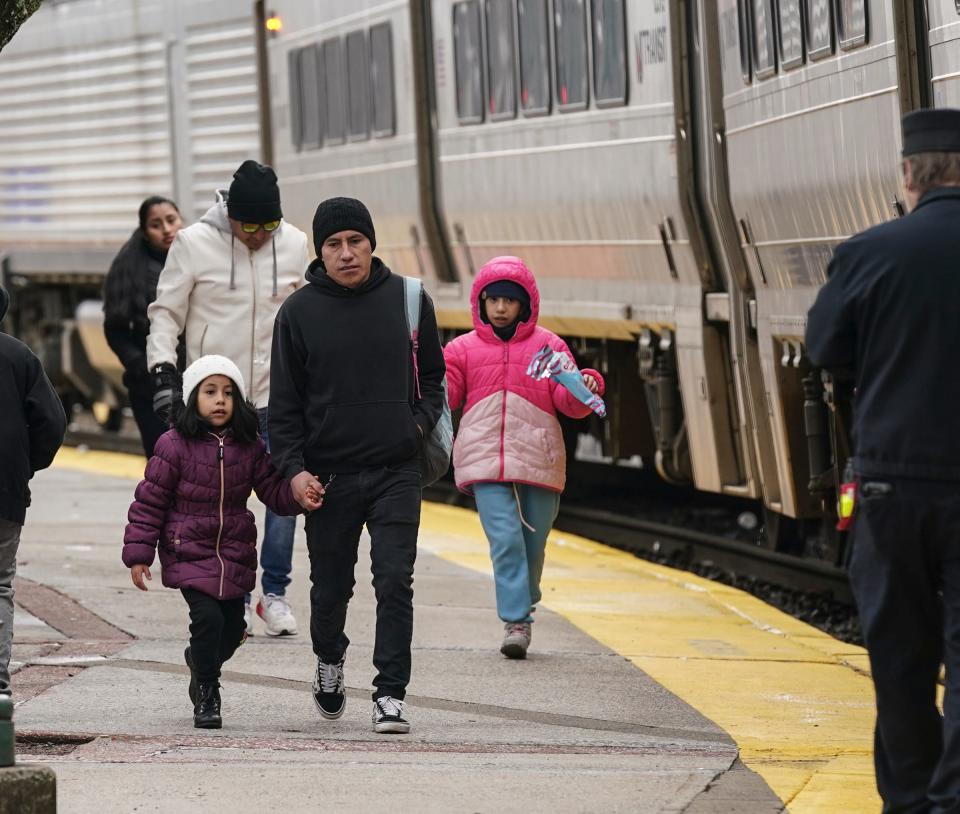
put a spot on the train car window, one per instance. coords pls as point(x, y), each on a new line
point(791, 33)
point(358, 85)
point(293, 84)
point(468, 59)
point(534, 57)
point(819, 24)
point(743, 27)
point(501, 73)
point(764, 52)
point(381, 80)
point(336, 86)
point(570, 30)
point(312, 98)
point(852, 23)
point(609, 53)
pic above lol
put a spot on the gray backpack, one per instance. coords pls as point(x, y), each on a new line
point(437, 445)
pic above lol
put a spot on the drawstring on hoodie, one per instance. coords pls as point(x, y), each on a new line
point(233, 260)
point(273, 242)
point(516, 495)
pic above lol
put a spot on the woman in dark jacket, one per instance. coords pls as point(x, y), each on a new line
point(131, 286)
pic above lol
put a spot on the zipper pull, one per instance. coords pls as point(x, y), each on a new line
point(220, 451)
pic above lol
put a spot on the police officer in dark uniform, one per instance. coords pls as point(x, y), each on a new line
point(889, 315)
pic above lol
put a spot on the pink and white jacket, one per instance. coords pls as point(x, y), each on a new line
point(509, 429)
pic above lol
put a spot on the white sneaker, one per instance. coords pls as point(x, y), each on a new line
point(277, 615)
point(248, 618)
point(388, 716)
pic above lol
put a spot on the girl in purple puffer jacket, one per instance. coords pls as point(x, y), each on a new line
point(192, 505)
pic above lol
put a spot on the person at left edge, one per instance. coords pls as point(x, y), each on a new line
point(224, 281)
point(32, 424)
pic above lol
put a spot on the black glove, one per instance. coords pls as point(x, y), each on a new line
point(167, 391)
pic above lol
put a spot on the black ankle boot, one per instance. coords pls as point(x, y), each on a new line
point(206, 713)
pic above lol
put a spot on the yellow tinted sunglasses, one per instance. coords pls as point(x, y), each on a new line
point(269, 226)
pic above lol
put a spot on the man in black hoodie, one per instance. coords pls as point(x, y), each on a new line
point(31, 431)
point(345, 406)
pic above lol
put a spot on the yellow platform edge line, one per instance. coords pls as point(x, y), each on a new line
point(797, 702)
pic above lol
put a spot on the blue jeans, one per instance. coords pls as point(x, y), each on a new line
point(276, 553)
point(516, 550)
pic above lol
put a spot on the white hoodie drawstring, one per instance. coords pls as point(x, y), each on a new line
point(273, 240)
point(233, 259)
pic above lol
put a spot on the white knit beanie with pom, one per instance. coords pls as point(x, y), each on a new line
point(211, 365)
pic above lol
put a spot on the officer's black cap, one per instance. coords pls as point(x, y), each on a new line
point(931, 130)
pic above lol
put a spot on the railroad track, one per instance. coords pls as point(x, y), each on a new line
point(663, 542)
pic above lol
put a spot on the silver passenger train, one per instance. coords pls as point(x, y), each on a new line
point(675, 172)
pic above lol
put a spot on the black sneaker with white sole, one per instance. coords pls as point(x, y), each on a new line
point(388, 716)
point(328, 692)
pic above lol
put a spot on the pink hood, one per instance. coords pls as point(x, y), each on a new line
point(509, 429)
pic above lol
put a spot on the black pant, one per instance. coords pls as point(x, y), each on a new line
point(216, 630)
point(905, 574)
point(141, 403)
point(387, 500)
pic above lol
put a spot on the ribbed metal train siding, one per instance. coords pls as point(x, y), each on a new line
point(222, 102)
point(84, 135)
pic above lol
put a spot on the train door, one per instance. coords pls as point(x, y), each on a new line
point(943, 50)
point(704, 188)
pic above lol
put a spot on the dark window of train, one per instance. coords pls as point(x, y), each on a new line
point(609, 53)
point(791, 33)
point(852, 23)
point(570, 26)
point(468, 61)
point(358, 85)
point(819, 28)
point(312, 98)
point(381, 80)
point(764, 49)
point(743, 25)
point(501, 76)
point(296, 111)
point(534, 57)
point(336, 82)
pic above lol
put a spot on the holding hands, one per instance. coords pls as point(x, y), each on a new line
point(307, 491)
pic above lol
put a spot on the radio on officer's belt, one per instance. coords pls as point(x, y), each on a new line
point(847, 499)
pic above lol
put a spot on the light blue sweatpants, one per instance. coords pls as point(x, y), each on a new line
point(516, 550)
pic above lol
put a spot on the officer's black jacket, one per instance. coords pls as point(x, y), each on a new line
point(890, 312)
point(32, 423)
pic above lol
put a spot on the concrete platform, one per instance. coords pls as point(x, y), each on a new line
point(597, 719)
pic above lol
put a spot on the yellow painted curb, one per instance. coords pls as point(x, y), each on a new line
point(798, 703)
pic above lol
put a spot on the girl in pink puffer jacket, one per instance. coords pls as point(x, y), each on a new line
point(509, 450)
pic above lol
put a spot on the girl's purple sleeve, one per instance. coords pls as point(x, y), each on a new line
point(271, 487)
point(151, 500)
point(563, 400)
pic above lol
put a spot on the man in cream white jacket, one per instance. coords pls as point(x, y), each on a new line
point(223, 282)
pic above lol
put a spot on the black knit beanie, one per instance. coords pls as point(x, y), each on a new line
point(507, 288)
point(254, 195)
point(338, 215)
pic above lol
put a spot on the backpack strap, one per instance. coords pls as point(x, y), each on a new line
point(412, 289)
